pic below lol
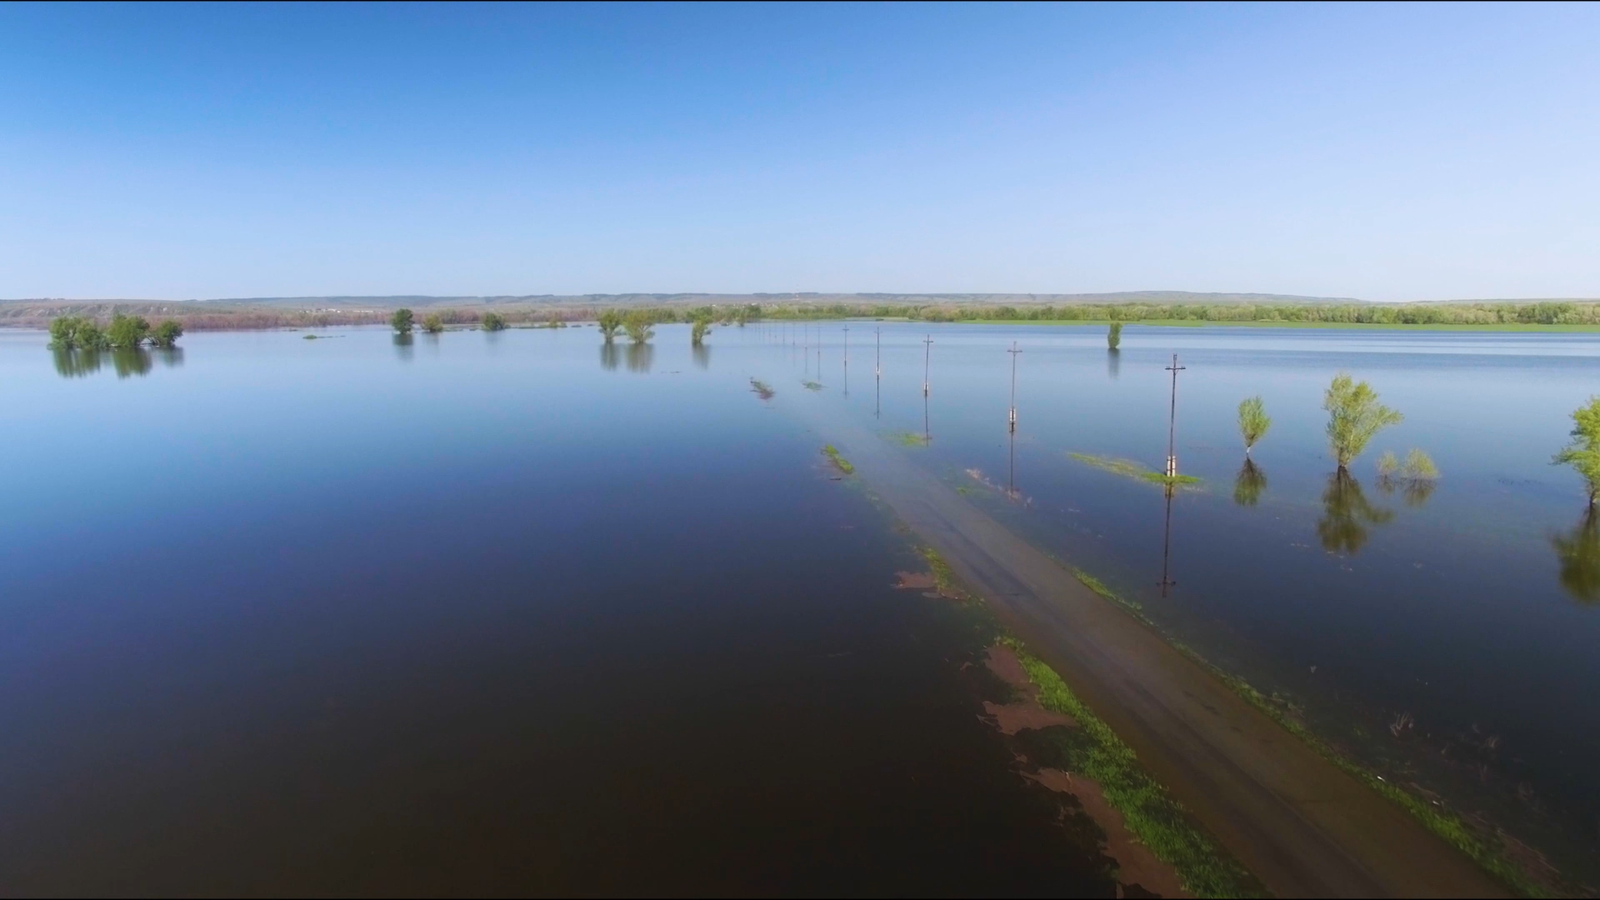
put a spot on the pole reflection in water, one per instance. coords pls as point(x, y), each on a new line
point(1166, 547)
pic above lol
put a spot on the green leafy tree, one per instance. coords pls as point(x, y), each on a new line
point(1114, 336)
point(1583, 452)
point(166, 334)
point(639, 326)
point(493, 322)
point(610, 322)
point(402, 321)
point(127, 332)
point(433, 324)
point(1253, 422)
point(699, 331)
point(1354, 416)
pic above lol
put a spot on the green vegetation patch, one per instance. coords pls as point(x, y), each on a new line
point(832, 453)
point(1157, 820)
point(944, 578)
point(909, 439)
point(811, 385)
point(761, 388)
point(1131, 469)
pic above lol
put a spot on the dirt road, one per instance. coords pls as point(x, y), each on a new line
point(1302, 825)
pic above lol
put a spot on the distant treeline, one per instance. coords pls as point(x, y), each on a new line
point(216, 317)
point(1542, 313)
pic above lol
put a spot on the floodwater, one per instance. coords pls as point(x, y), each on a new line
point(1443, 634)
point(477, 613)
point(519, 612)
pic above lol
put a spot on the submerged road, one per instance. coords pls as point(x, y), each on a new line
point(1303, 826)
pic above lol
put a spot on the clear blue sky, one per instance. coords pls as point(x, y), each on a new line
point(1381, 152)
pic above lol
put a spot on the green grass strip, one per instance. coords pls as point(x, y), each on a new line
point(832, 453)
point(1131, 469)
point(1150, 814)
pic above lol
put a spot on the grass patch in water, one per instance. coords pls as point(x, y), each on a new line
point(944, 578)
point(811, 385)
point(832, 453)
point(1131, 469)
point(909, 439)
point(761, 388)
point(1150, 814)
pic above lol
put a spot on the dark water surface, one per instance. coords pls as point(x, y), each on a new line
point(1446, 637)
point(477, 613)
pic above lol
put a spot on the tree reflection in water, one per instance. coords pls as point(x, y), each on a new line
point(76, 363)
point(1249, 484)
point(702, 356)
point(1579, 554)
point(403, 347)
point(640, 357)
point(610, 356)
point(1346, 515)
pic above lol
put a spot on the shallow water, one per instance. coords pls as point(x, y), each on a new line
point(473, 614)
point(1447, 638)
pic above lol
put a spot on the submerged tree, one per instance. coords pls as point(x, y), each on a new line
point(127, 332)
point(1354, 416)
point(1583, 452)
point(1579, 554)
point(1114, 336)
point(1415, 478)
point(610, 321)
point(402, 321)
point(493, 322)
point(1249, 484)
point(1253, 422)
point(166, 334)
point(639, 326)
point(1346, 513)
point(698, 333)
point(433, 324)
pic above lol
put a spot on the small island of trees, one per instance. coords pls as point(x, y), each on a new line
point(124, 333)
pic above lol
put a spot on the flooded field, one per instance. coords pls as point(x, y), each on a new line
point(487, 612)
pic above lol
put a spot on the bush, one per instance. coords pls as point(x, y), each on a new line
point(127, 332)
point(1354, 416)
point(402, 321)
point(1253, 422)
point(639, 325)
point(166, 334)
point(433, 324)
point(1583, 452)
point(493, 322)
point(1114, 336)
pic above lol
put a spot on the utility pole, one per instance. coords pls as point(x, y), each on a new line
point(927, 357)
point(1013, 415)
point(1172, 420)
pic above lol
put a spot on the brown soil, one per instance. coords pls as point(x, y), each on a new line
point(1140, 873)
point(914, 581)
point(1024, 712)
